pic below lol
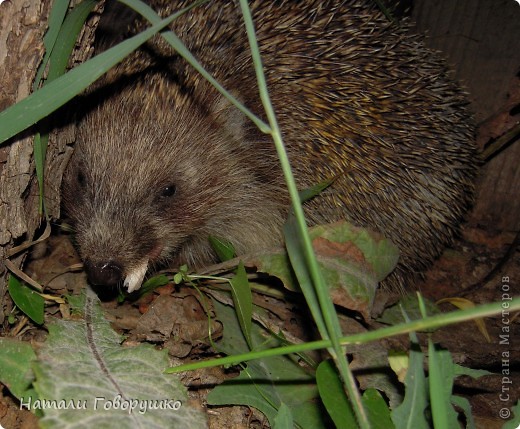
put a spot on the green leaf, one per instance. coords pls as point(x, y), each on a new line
point(27, 300)
point(83, 362)
point(333, 396)
point(410, 414)
point(377, 410)
point(465, 406)
point(308, 193)
point(276, 262)
point(153, 283)
point(223, 248)
point(243, 301)
point(440, 379)
point(16, 358)
point(268, 383)
point(352, 261)
point(283, 419)
point(473, 373)
point(379, 255)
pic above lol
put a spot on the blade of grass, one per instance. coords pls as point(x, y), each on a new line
point(67, 37)
point(59, 57)
point(39, 152)
point(333, 330)
point(54, 95)
point(56, 17)
point(148, 13)
point(428, 323)
point(243, 300)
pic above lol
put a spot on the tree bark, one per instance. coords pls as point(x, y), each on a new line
point(23, 24)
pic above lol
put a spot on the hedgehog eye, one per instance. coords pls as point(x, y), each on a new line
point(168, 191)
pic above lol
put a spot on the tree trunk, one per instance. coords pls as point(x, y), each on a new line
point(23, 24)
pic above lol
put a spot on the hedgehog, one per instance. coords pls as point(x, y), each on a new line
point(162, 161)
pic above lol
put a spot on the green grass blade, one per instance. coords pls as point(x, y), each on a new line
point(40, 150)
point(58, 55)
point(243, 300)
point(333, 330)
point(148, 13)
point(56, 17)
point(67, 37)
point(293, 244)
point(54, 95)
point(431, 322)
point(307, 194)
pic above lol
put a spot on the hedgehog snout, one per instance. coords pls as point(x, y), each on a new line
point(103, 273)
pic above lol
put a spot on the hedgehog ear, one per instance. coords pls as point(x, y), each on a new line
point(229, 117)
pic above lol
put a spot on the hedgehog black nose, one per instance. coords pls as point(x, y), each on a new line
point(101, 273)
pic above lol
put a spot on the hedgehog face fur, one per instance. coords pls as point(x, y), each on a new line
point(142, 194)
point(163, 162)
